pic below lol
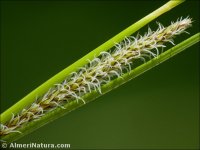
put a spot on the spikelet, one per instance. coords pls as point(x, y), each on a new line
point(101, 70)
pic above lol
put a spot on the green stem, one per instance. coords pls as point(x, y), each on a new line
point(30, 98)
point(58, 112)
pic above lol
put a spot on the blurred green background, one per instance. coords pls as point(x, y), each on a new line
point(159, 109)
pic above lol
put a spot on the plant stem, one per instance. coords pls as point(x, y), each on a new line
point(30, 98)
point(58, 112)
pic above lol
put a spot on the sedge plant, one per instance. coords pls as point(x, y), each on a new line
point(112, 64)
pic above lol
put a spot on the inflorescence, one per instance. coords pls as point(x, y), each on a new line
point(101, 70)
